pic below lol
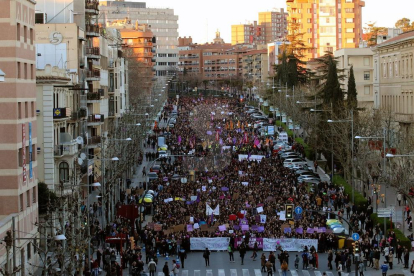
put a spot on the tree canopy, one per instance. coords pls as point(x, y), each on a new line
point(405, 24)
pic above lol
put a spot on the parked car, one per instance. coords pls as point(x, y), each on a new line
point(308, 178)
point(163, 153)
point(155, 168)
point(289, 154)
point(152, 176)
point(290, 161)
point(259, 116)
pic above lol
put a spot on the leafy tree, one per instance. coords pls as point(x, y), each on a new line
point(282, 71)
point(352, 101)
point(47, 198)
point(404, 24)
point(372, 32)
point(332, 92)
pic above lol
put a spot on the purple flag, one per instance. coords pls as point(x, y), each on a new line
point(245, 227)
point(299, 230)
point(260, 229)
point(310, 230)
point(287, 230)
point(179, 139)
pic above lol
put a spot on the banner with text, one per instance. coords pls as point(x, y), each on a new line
point(289, 244)
point(210, 243)
point(238, 241)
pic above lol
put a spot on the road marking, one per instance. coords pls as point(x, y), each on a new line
point(221, 272)
point(328, 273)
point(318, 273)
point(233, 272)
point(257, 272)
point(196, 272)
point(245, 272)
point(209, 272)
point(305, 273)
point(183, 273)
point(294, 273)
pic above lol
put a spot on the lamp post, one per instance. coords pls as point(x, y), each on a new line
point(384, 163)
point(332, 154)
point(352, 150)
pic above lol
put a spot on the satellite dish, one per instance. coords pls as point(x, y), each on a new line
point(83, 156)
point(79, 140)
point(80, 161)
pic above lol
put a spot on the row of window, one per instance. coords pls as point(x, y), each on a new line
point(31, 197)
point(26, 112)
point(167, 63)
point(166, 55)
point(392, 68)
point(27, 34)
point(25, 74)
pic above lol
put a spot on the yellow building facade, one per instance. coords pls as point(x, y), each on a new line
point(326, 25)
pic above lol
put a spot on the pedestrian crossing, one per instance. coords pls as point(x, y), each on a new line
point(249, 272)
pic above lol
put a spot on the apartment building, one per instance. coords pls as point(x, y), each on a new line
point(361, 59)
point(255, 64)
point(162, 22)
point(275, 24)
point(326, 25)
point(18, 138)
point(248, 33)
point(394, 78)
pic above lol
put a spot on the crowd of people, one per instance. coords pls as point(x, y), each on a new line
point(205, 169)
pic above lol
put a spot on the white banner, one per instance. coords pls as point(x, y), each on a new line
point(210, 243)
point(251, 158)
point(289, 244)
point(215, 211)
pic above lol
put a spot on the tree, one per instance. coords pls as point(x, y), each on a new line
point(404, 24)
point(372, 32)
point(332, 92)
point(282, 70)
point(352, 101)
point(47, 198)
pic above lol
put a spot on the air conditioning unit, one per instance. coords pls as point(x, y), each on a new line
point(37, 112)
point(39, 150)
point(40, 18)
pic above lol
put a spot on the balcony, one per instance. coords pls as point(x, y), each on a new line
point(143, 44)
point(404, 118)
point(61, 113)
point(95, 96)
point(93, 52)
point(92, 30)
point(92, 6)
point(143, 55)
point(93, 141)
point(111, 64)
point(67, 149)
point(93, 75)
point(95, 119)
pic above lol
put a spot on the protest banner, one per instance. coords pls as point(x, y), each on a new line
point(210, 243)
point(289, 244)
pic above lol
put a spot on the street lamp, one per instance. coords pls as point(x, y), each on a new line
point(352, 149)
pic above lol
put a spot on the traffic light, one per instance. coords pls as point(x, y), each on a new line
point(289, 211)
point(356, 248)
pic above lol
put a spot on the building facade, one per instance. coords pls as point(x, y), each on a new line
point(326, 25)
point(394, 78)
point(275, 24)
point(162, 22)
point(248, 33)
point(362, 61)
point(255, 64)
point(18, 136)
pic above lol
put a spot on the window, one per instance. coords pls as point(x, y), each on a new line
point(25, 71)
point(349, 20)
point(349, 10)
point(327, 20)
point(31, 36)
point(28, 198)
point(21, 202)
point(390, 67)
point(396, 64)
point(20, 154)
point(18, 32)
point(18, 70)
point(32, 72)
point(349, 40)
point(29, 251)
point(309, 20)
point(366, 75)
point(367, 90)
point(64, 172)
point(384, 70)
point(349, 30)
point(26, 109)
point(19, 110)
point(33, 152)
point(366, 61)
point(25, 34)
point(34, 194)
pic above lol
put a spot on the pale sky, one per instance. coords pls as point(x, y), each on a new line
point(200, 18)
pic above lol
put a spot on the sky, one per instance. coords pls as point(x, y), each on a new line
point(201, 19)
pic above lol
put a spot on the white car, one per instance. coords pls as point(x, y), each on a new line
point(293, 161)
point(163, 153)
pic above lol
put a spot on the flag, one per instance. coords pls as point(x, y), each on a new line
point(179, 139)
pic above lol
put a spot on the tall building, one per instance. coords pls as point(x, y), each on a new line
point(18, 137)
point(162, 22)
point(326, 25)
point(275, 24)
point(248, 33)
